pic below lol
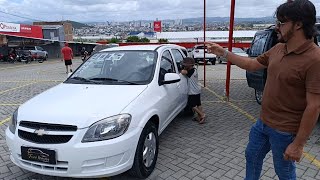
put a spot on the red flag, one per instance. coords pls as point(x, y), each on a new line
point(157, 26)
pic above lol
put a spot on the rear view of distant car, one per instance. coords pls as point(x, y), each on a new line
point(198, 55)
point(237, 51)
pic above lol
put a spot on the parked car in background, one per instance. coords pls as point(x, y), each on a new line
point(24, 56)
point(36, 52)
point(235, 50)
point(262, 42)
point(122, 99)
point(318, 33)
point(198, 53)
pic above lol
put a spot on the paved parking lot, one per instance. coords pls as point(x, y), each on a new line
point(188, 150)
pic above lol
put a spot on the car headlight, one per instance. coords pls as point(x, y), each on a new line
point(108, 128)
point(13, 122)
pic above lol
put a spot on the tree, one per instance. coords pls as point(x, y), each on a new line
point(133, 39)
point(163, 40)
point(144, 40)
point(114, 40)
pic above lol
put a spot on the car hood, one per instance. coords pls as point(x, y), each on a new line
point(79, 104)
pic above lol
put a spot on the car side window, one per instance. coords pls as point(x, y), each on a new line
point(167, 62)
point(166, 65)
point(185, 52)
point(178, 57)
point(258, 45)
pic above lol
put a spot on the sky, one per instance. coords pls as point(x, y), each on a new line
point(129, 10)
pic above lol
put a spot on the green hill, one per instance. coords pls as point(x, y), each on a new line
point(78, 25)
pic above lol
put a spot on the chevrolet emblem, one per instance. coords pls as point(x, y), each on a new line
point(40, 132)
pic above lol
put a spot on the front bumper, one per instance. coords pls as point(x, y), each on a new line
point(76, 159)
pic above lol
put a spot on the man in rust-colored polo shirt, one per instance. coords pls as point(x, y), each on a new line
point(291, 99)
point(67, 56)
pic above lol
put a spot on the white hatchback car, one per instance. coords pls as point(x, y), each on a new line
point(105, 118)
point(235, 50)
point(198, 53)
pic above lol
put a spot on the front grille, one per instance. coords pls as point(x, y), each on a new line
point(48, 127)
point(44, 139)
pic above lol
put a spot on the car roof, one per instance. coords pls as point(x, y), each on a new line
point(151, 47)
point(174, 45)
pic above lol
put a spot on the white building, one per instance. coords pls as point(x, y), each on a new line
point(194, 36)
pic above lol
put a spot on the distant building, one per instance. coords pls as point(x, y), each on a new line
point(67, 27)
point(197, 36)
point(142, 34)
point(261, 26)
point(53, 32)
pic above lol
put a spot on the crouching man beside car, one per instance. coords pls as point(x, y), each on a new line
point(291, 98)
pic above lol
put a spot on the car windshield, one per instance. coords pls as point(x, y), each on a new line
point(116, 67)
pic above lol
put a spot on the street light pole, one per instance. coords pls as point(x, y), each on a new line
point(204, 43)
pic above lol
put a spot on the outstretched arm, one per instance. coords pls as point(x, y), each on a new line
point(243, 62)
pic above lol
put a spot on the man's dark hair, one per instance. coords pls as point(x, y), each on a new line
point(188, 60)
point(299, 11)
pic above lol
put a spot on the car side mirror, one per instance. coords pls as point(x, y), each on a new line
point(170, 78)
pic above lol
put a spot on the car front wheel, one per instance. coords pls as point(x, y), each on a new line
point(147, 152)
point(258, 95)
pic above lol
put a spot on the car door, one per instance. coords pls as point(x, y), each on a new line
point(183, 83)
point(168, 93)
point(40, 51)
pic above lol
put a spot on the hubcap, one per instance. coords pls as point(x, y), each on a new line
point(149, 149)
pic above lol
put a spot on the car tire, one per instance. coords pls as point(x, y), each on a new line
point(213, 62)
point(258, 95)
point(147, 147)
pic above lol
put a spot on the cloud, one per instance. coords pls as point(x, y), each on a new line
point(125, 10)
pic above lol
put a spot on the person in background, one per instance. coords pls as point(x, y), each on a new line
point(291, 97)
point(194, 100)
point(67, 56)
point(84, 54)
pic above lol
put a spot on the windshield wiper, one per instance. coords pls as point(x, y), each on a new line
point(112, 79)
point(83, 79)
